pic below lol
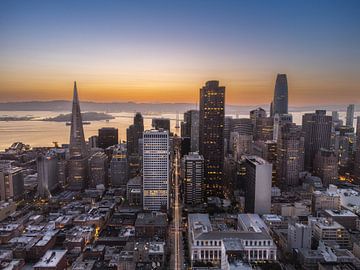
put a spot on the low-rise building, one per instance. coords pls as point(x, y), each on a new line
point(329, 231)
point(150, 225)
point(344, 217)
point(209, 244)
point(52, 260)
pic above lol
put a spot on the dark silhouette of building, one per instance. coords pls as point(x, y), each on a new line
point(264, 128)
point(190, 128)
point(108, 136)
point(290, 155)
point(211, 135)
point(98, 170)
point(279, 104)
point(326, 166)
point(133, 134)
point(161, 123)
point(350, 115)
point(317, 132)
point(78, 151)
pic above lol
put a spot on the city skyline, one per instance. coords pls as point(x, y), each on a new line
point(142, 52)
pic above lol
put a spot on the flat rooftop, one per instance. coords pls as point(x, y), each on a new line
point(51, 258)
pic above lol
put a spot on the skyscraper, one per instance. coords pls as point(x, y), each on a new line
point(317, 131)
point(326, 166)
point(290, 155)
point(119, 168)
point(192, 173)
point(133, 134)
point(98, 170)
point(108, 136)
point(156, 167)
point(11, 182)
point(350, 115)
point(78, 149)
point(264, 128)
point(280, 101)
point(211, 135)
point(47, 174)
point(258, 185)
point(190, 129)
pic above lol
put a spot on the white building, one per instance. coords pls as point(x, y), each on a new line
point(299, 236)
point(329, 199)
point(208, 244)
point(47, 174)
point(156, 169)
point(258, 185)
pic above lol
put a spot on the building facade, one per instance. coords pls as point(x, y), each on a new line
point(279, 104)
point(211, 135)
point(156, 168)
point(257, 185)
point(192, 174)
point(108, 136)
point(316, 128)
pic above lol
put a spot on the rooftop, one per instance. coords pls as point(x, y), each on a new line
point(51, 258)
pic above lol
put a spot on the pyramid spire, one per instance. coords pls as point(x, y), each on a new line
point(77, 139)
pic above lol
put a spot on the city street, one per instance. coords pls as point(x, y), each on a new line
point(176, 232)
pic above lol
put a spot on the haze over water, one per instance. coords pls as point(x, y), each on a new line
point(44, 133)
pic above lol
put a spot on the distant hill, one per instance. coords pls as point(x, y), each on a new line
point(65, 106)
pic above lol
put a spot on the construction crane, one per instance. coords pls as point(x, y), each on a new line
point(56, 144)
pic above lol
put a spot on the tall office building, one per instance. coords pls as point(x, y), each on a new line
point(337, 122)
point(227, 131)
point(326, 166)
point(290, 155)
point(280, 120)
point(192, 173)
point(78, 150)
point(11, 183)
point(257, 185)
point(108, 136)
point(255, 114)
point(279, 104)
point(264, 128)
point(267, 150)
point(119, 168)
point(317, 131)
point(344, 144)
point(47, 171)
point(156, 170)
point(190, 129)
point(357, 152)
point(211, 135)
point(133, 134)
point(98, 170)
point(240, 144)
point(62, 166)
point(243, 126)
point(350, 115)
